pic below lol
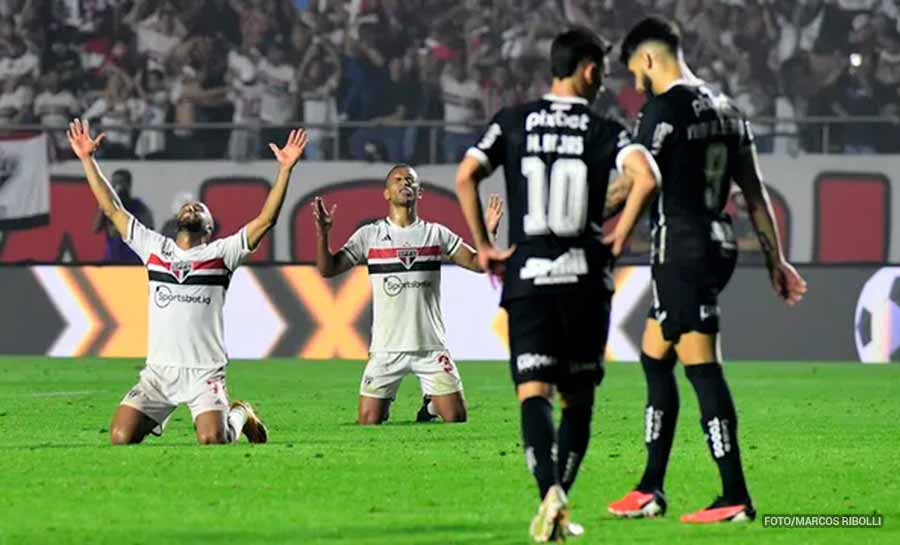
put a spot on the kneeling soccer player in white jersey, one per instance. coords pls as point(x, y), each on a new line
point(404, 255)
point(189, 277)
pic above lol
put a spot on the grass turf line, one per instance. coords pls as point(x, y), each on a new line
point(816, 438)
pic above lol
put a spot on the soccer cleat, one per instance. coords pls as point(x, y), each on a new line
point(722, 510)
point(638, 504)
point(254, 429)
point(423, 415)
point(552, 519)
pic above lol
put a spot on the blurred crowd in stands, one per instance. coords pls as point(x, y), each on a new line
point(267, 64)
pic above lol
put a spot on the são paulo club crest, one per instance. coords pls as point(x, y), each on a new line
point(181, 268)
point(408, 257)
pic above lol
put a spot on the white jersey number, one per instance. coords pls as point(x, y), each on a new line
point(566, 214)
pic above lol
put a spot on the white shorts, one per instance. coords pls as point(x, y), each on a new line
point(161, 390)
point(437, 373)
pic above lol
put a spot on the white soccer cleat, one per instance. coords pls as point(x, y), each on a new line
point(552, 519)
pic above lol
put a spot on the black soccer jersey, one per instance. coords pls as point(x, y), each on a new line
point(695, 134)
point(557, 156)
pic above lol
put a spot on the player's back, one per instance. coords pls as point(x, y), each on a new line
point(557, 156)
point(695, 134)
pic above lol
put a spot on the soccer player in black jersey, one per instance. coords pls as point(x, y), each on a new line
point(557, 156)
point(701, 143)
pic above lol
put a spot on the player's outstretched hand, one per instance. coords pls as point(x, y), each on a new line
point(493, 214)
point(324, 218)
point(80, 139)
point(289, 155)
point(788, 283)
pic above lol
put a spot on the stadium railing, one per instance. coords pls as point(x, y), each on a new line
point(814, 134)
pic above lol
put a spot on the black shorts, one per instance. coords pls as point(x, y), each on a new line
point(559, 339)
point(686, 293)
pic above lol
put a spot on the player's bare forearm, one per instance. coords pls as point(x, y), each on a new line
point(616, 195)
point(106, 196)
point(268, 216)
point(467, 258)
point(468, 176)
point(759, 206)
point(330, 264)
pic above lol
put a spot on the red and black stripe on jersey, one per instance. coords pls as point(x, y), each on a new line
point(404, 260)
point(210, 272)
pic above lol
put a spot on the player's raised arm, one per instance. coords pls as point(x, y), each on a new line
point(329, 264)
point(787, 282)
point(636, 166)
point(287, 157)
point(466, 256)
point(84, 147)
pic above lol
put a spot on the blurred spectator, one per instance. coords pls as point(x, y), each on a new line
point(15, 103)
point(279, 98)
point(56, 106)
point(115, 109)
point(159, 34)
point(116, 251)
point(394, 99)
point(151, 108)
point(319, 77)
point(427, 105)
point(462, 108)
point(246, 93)
point(852, 94)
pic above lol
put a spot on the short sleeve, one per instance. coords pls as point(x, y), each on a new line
point(626, 145)
point(449, 241)
point(654, 127)
point(236, 249)
point(357, 246)
point(489, 149)
point(142, 240)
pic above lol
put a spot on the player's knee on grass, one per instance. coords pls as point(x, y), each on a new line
point(373, 411)
point(119, 435)
point(451, 408)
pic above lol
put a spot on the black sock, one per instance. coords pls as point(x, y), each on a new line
point(718, 419)
point(660, 418)
point(574, 436)
point(538, 436)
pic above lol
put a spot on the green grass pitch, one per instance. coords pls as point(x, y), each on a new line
point(817, 438)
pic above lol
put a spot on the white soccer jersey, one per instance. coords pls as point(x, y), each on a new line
point(187, 295)
point(405, 272)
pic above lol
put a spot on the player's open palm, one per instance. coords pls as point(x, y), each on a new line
point(493, 214)
point(80, 139)
point(788, 283)
point(324, 217)
point(292, 150)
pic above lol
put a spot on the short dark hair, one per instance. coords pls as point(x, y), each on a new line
point(124, 173)
point(651, 29)
point(387, 178)
point(572, 47)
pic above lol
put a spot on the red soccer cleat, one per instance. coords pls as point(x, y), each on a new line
point(722, 511)
point(637, 504)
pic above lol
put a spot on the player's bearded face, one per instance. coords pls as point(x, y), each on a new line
point(192, 218)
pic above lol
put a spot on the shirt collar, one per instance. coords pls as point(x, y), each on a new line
point(568, 100)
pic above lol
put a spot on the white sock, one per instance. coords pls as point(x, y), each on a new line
point(236, 418)
point(430, 408)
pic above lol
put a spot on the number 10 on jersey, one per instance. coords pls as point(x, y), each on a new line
point(565, 214)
